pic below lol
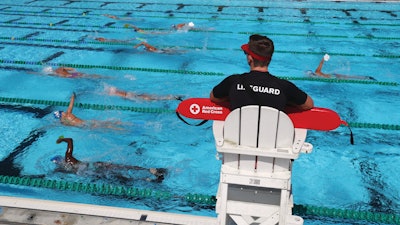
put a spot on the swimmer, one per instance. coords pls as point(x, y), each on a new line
point(113, 91)
point(147, 46)
point(68, 72)
point(137, 29)
point(151, 48)
point(67, 118)
point(318, 72)
point(69, 164)
point(118, 18)
point(184, 26)
point(111, 16)
point(101, 39)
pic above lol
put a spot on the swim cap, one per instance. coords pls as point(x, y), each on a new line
point(326, 57)
point(57, 114)
point(310, 73)
point(48, 70)
point(57, 159)
point(191, 24)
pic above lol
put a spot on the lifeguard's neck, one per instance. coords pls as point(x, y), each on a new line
point(259, 68)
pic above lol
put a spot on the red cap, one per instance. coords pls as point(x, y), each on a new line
point(246, 49)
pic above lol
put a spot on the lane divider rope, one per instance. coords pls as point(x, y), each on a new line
point(192, 198)
point(156, 110)
point(86, 105)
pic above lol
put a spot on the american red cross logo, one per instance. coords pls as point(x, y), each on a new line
point(194, 109)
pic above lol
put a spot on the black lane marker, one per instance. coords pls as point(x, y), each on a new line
point(8, 166)
point(141, 5)
point(52, 57)
point(53, 28)
point(109, 24)
point(55, 46)
point(38, 112)
point(69, 2)
point(375, 186)
point(180, 6)
point(61, 22)
point(30, 2)
point(10, 21)
point(106, 3)
point(32, 35)
point(16, 68)
point(41, 15)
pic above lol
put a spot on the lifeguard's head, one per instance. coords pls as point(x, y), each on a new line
point(260, 48)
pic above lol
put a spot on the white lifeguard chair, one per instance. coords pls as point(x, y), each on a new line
point(258, 146)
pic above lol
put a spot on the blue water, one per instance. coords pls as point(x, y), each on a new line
point(362, 39)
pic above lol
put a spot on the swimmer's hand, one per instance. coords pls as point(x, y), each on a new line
point(59, 139)
point(326, 57)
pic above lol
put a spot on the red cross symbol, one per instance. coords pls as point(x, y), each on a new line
point(194, 109)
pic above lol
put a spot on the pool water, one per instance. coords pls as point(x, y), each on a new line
point(362, 38)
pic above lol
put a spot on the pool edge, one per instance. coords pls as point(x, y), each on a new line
point(15, 210)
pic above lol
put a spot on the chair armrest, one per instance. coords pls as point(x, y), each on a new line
point(218, 131)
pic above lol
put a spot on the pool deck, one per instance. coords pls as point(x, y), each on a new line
point(18, 211)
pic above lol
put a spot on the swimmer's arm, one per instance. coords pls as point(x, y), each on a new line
point(71, 103)
point(69, 158)
point(69, 69)
point(217, 100)
point(140, 44)
point(319, 72)
point(70, 147)
point(34, 72)
point(150, 47)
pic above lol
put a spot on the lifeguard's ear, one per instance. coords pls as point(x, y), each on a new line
point(249, 59)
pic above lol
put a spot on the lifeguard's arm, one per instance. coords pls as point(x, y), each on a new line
point(69, 158)
point(215, 99)
point(309, 104)
point(71, 103)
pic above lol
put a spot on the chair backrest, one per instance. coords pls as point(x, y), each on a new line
point(259, 127)
point(256, 138)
